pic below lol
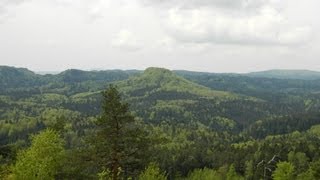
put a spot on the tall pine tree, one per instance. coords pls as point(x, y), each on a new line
point(120, 142)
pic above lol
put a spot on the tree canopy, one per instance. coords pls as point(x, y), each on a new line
point(42, 159)
point(121, 142)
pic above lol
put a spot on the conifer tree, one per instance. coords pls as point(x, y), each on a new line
point(120, 141)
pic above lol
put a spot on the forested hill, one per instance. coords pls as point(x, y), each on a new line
point(287, 74)
point(222, 101)
point(154, 80)
point(262, 87)
point(159, 95)
point(11, 77)
point(196, 119)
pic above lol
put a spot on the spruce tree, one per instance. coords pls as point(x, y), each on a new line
point(120, 141)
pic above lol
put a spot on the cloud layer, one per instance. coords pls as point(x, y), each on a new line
point(6, 4)
point(248, 22)
point(210, 35)
point(126, 40)
point(267, 27)
point(226, 4)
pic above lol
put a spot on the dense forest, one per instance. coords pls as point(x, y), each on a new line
point(159, 124)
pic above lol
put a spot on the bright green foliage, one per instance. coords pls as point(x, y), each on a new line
point(315, 168)
point(315, 130)
point(249, 173)
point(299, 160)
point(232, 174)
point(312, 173)
point(308, 175)
point(104, 175)
point(152, 172)
point(43, 159)
point(284, 171)
point(4, 171)
point(204, 174)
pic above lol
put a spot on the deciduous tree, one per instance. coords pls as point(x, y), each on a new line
point(43, 159)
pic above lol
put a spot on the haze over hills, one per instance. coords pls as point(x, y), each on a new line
point(21, 73)
point(158, 94)
point(251, 84)
point(196, 117)
point(287, 74)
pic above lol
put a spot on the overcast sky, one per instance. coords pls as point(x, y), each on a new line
point(199, 35)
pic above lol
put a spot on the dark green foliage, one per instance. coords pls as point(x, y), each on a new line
point(287, 74)
point(119, 141)
point(196, 125)
point(283, 124)
point(11, 77)
point(76, 76)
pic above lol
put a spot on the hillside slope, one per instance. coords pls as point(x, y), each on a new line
point(155, 80)
point(159, 95)
point(11, 77)
point(287, 74)
point(219, 101)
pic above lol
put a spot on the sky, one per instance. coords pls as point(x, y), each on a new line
point(198, 35)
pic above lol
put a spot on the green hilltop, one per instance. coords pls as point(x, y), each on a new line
point(193, 120)
point(160, 95)
point(11, 77)
point(155, 80)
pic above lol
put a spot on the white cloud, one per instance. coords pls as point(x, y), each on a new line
point(166, 43)
point(5, 5)
point(225, 4)
point(248, 22)
point(125, 40)
point(267, 27)
point(92, 10)
point(191, 34)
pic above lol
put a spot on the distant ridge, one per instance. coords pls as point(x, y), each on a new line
point(287, 74)
point(47, 72)
point(11, 77)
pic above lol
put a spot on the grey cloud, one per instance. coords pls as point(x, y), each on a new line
point(226, 4)
point(248, 22)
point(126, 40)
point(7, 2)
point(5, 5)
point(203, 26)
